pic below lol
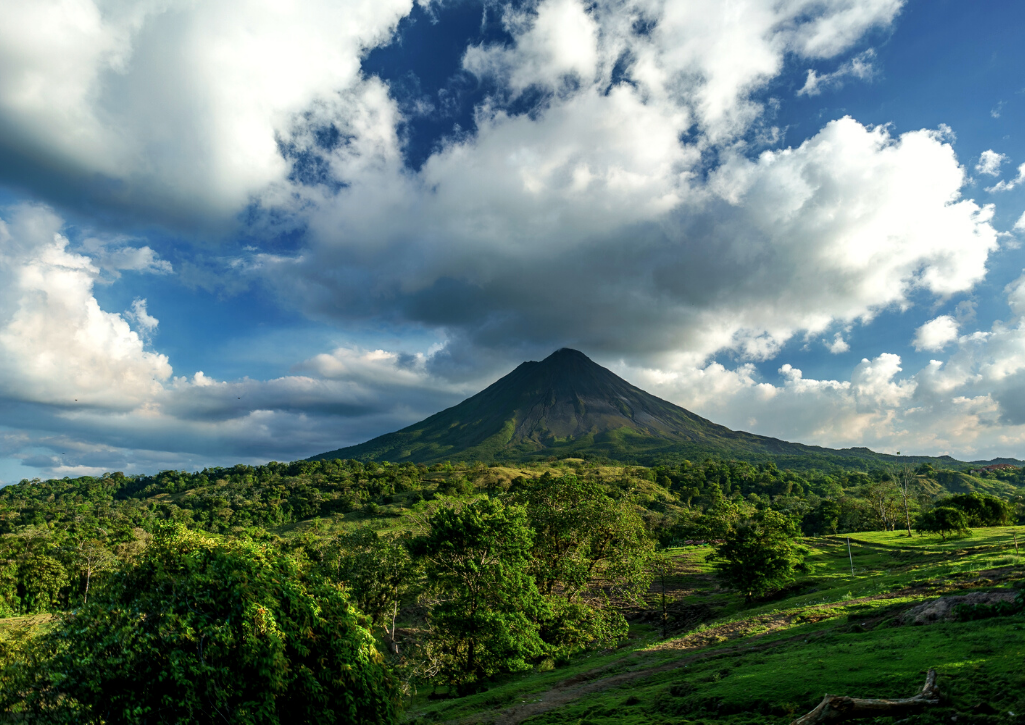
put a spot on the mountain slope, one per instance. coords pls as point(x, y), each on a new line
point(569, 405)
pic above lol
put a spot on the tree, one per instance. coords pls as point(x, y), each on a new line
point(207, 631)
point(42, 579)
point(980, 509)
point(758, 556)
point(376, 570)
point(881, 497)
point(587, 545)
point(584, 538)
point(93, 556)
point(944, 520)
point(486, 611)
point(664, 567)
point(904, 479)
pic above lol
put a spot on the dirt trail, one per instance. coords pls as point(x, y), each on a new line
point(573, 688)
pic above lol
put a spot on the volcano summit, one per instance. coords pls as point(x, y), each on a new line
point(568, 405)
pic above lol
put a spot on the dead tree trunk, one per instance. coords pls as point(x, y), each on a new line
point(837, 708)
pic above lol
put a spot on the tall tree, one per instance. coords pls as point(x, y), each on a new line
point(486, 609)
point(376, 571)
point(584, 538)
point(904, 478)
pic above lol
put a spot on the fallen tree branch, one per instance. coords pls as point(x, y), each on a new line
point(837, 708)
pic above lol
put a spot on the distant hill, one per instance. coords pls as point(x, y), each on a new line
point(568, 405)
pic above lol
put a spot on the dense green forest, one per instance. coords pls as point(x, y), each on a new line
point(249, 592)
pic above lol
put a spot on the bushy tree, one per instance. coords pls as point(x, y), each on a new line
point(485, 618)
point(584, 538)
point(375, 569)
point(980, 509)
point(945, 521)
point(760, 555)
point(587, 544)
point(205, 631)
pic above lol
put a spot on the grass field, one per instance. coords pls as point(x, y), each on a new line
point(768, 663)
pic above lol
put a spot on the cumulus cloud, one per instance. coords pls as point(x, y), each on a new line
point(633, 212)
point(990, 162)
point(56, 345)
point(969, 405)
point(1005, 185)
point(89, 394)
point(172, 109)
point(145, 322)
point(936, 334)
point(593, 202)
point(838, 345)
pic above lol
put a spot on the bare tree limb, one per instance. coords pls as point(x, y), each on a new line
point(837, 708)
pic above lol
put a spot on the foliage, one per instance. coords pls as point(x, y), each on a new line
point(980, 509)
point(485, 620)
point(375, 570)
point(585, 538)
point(945, 521)
point(758, 556)
point(204, 631)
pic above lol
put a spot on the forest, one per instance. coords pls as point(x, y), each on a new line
point(341, 590)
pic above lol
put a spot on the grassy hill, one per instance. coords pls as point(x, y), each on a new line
point(569, 406)
point(836, 632)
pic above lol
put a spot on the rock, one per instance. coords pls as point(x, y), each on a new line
point(942, 609)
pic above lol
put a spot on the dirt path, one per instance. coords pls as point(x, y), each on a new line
point(586, 683)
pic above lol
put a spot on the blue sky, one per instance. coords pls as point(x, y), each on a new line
point(245, 231)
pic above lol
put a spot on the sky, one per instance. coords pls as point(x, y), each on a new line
point(259, 230)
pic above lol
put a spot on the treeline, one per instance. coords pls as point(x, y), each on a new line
point(56, 534)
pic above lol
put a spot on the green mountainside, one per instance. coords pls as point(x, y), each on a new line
point(568, 405)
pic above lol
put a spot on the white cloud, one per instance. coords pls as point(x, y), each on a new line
point(595, 200)
point(936, 334)
point(838, 345)
point(603, 195)
point(88, 395)
point(990, 162)
point(560, 40)
point(1019, 226)
point(1004, 185)
point(860, 67)
point(56, 345)
point(171, 108)
point(146, 323)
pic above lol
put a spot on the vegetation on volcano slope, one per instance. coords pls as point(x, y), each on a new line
point(565, 558)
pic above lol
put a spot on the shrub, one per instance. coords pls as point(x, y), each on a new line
point(207, 631)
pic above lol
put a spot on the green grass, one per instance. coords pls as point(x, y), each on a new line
point(773, 661)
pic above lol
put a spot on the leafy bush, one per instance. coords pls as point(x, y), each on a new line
point(944, 520)
point(204, 631)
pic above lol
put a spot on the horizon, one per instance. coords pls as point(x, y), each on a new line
point(239, 232)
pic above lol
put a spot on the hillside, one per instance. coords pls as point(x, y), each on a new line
point(568, 405)
point(833, 631)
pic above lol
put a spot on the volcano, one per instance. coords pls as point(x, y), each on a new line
point(567, 405)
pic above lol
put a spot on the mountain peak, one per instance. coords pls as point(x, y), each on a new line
point(567, 401)
point(566, 353)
